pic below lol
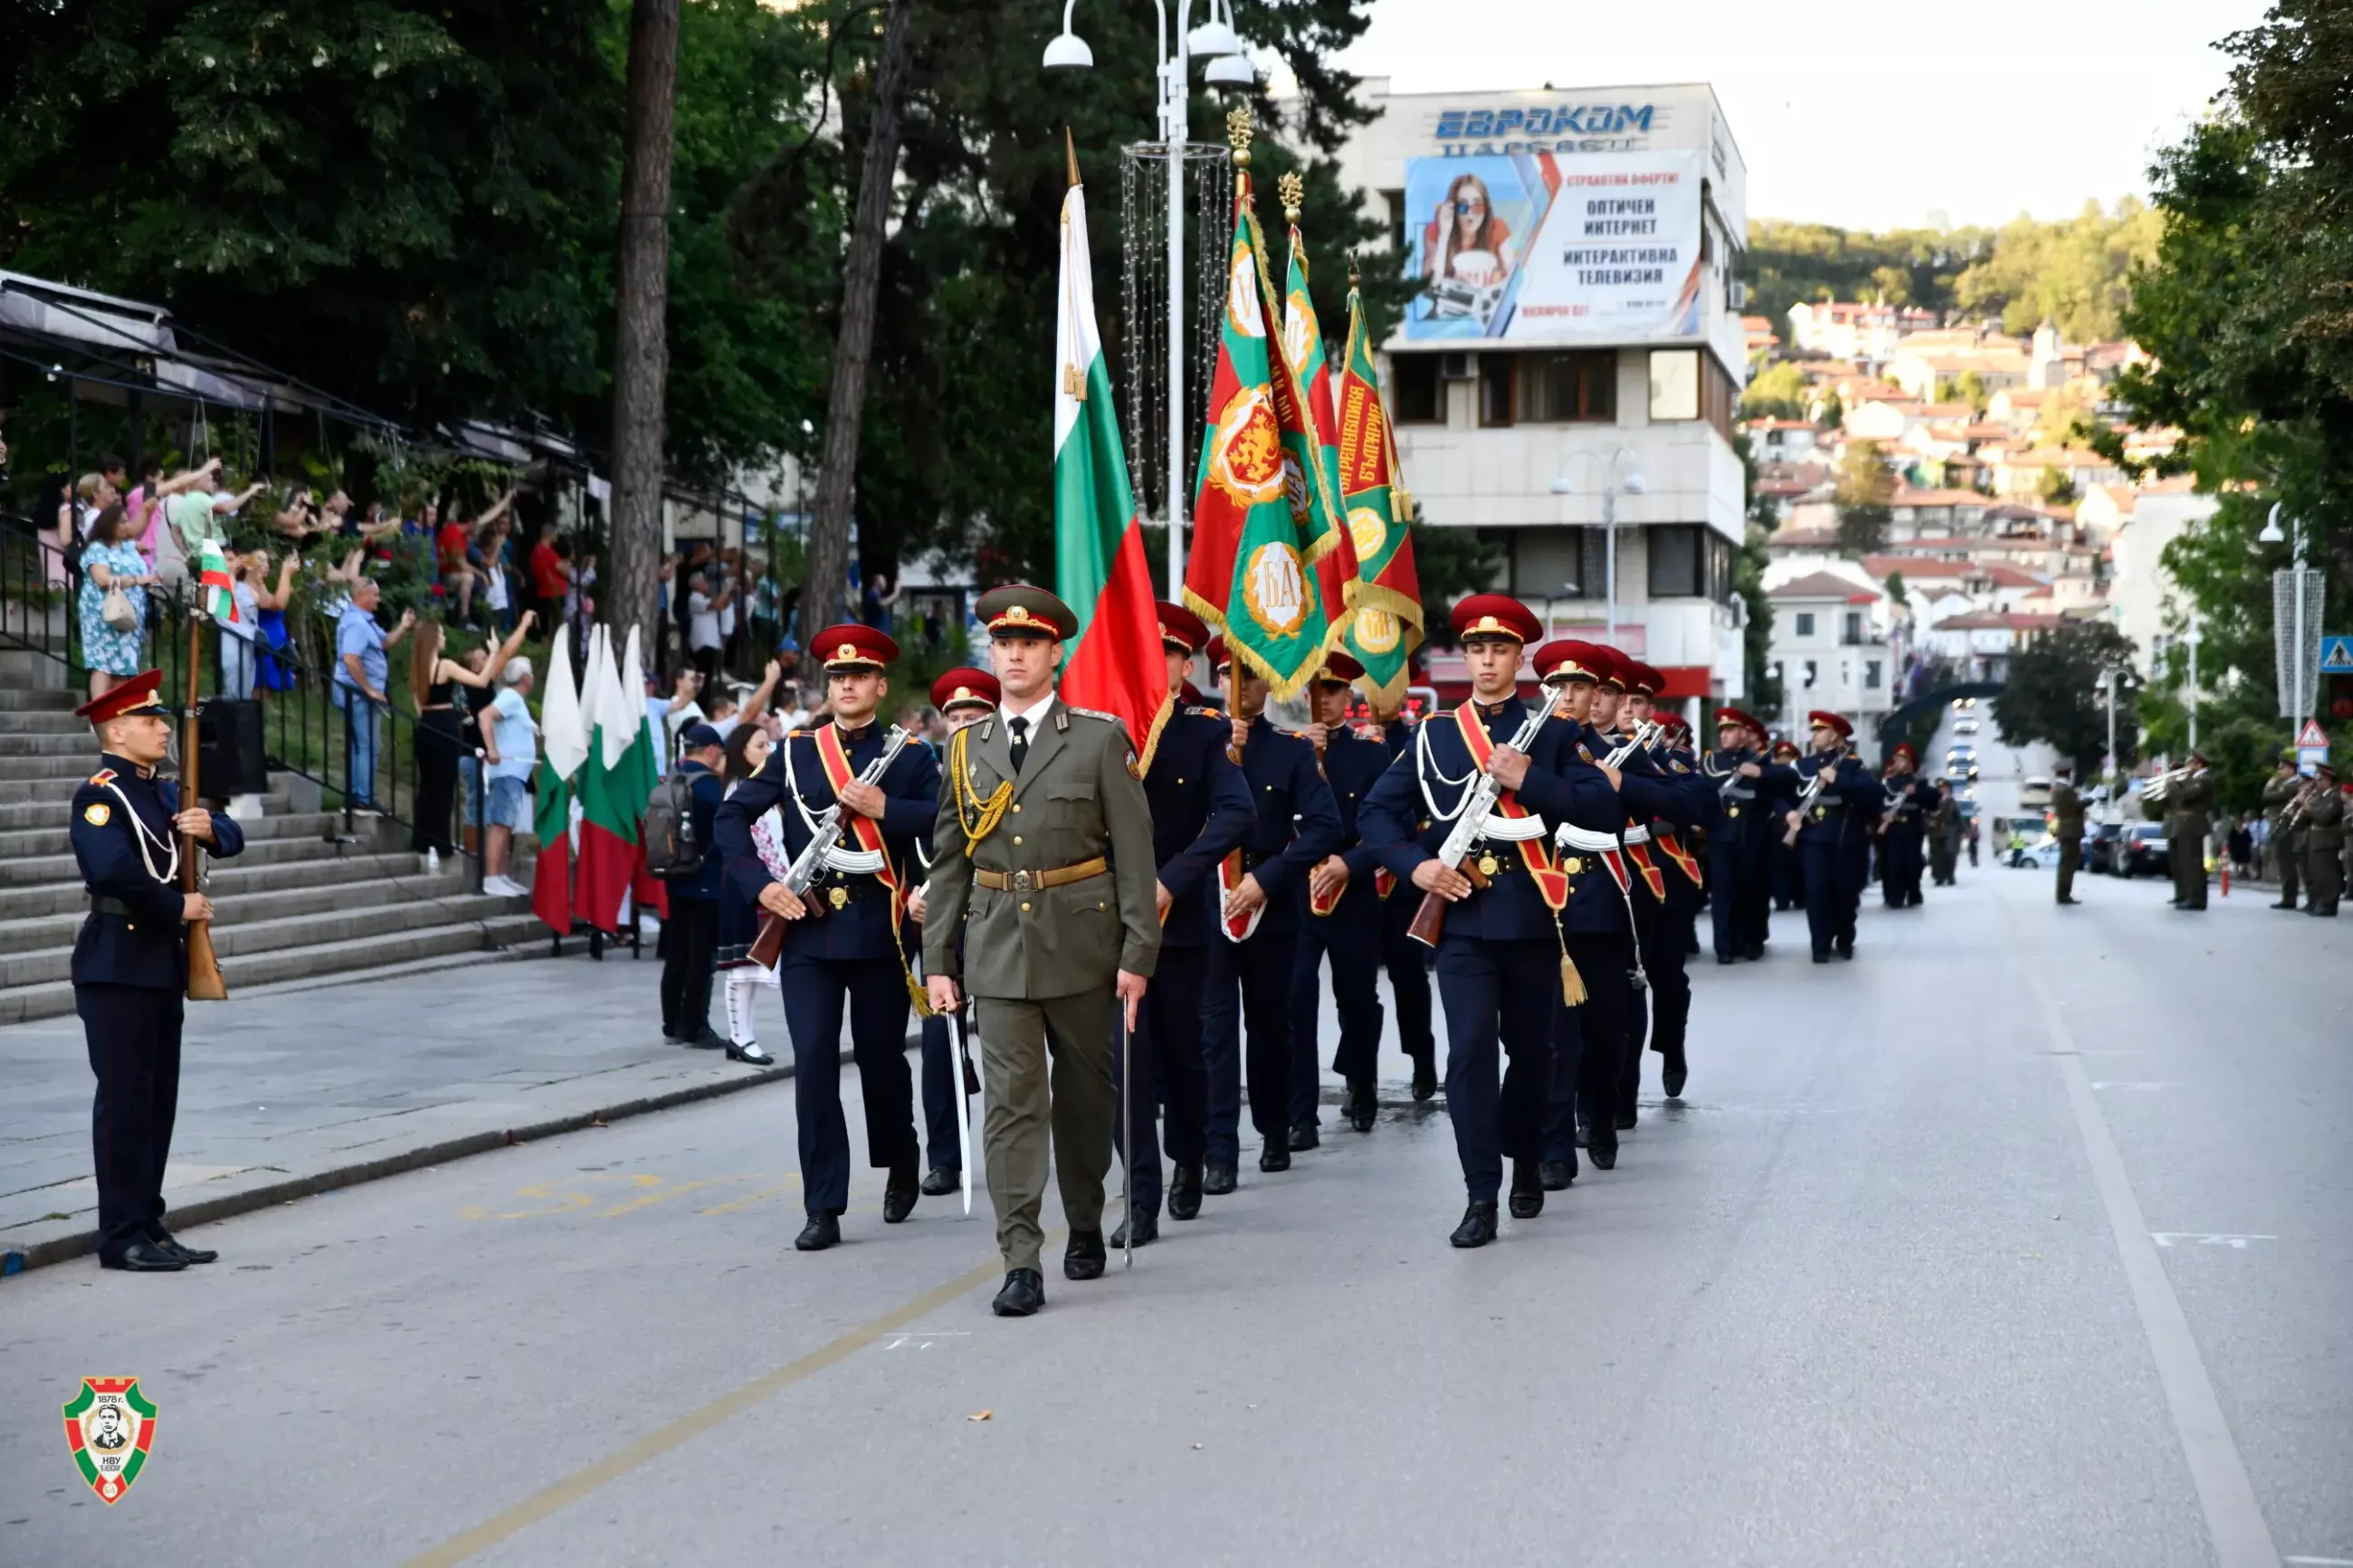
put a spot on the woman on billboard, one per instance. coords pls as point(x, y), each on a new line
point(1466, 242)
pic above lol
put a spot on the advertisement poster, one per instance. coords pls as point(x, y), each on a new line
point(1557, 248)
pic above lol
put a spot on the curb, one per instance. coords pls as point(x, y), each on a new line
point(64, 1248)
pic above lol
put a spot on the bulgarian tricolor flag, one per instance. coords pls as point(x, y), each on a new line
point(1100, 569)
point(1386, 626)
point(614, 784)
point(1302, 346)
point(214, 581)
point(562, 747)
point(1257, 533)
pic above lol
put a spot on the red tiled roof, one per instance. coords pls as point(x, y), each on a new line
point(1999, 620)
point(1824, 586)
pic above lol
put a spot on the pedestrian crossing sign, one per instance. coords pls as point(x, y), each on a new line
point(2337, 655)
point(2311, 736)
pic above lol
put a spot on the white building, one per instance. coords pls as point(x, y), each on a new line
point(2142, 599)
point(1580, 335)
point(1833, 640)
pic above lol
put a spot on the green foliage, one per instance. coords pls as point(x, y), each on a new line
point(2054, 694)
point(1763, 685)
point(1452, 563)
point(1776, 392)
point(2072, 273)
point(1864, 489)
point(2056, 487)
point(1794, 262)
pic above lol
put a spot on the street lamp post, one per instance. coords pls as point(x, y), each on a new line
point(2193, 639)
point(1214, 40)
point(1634, 486)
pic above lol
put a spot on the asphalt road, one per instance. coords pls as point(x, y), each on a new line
point(2022, 1239)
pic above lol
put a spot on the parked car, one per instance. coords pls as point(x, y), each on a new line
point(1961, 762)
point(1965, 727)
point(2035, 792)
point(2138, 850)
point(2099, 854)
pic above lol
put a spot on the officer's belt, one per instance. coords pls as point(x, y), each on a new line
point(1026, 882)
point(101, 904)
point(1823, 808)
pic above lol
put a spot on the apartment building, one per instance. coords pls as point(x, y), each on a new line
point(1566, 381)
point(1833, 640)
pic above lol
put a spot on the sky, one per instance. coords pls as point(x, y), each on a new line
point(1887, 115)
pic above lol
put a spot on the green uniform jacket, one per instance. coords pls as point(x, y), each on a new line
point(2325, 821)
point(2188, 804)
point(2277, 792)
point(2069, 806)
point(1078, 796)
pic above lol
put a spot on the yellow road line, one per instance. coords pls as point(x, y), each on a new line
point(748, 1199)
point(663, 1195)
point(512, 1522)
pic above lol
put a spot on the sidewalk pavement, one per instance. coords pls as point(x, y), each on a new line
point(288, 1091)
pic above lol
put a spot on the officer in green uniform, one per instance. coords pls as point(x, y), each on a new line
point(2189, 807)
point(1042, 857)
point(2067, 814)
point(2286, 836)
point(2324, 843)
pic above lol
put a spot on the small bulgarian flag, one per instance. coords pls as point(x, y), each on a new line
point(213, 579)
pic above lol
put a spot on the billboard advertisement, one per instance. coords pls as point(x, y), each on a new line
point(1542, 247)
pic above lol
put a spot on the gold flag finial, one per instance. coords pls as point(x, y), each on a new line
point(1294, 195)
point(1238, 133)
point(1070, 152)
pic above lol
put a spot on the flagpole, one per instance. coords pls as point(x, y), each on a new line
point(1174, 82)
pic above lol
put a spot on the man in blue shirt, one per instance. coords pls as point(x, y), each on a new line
point(361, 672)
point(693, 944)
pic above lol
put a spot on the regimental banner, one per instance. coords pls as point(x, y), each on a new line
point(1321, 524)
point(1386, 625)
point(1556, 246)
point(109, 1429)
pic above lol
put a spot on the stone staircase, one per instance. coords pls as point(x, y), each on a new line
point(301, 901)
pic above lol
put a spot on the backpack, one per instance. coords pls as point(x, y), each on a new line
point(671, 849)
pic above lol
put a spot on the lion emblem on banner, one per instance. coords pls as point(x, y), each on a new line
point(1246, 458)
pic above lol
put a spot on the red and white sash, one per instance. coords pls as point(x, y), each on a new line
point(1552, 883)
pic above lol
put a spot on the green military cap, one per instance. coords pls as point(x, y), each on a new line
point(1019, 609)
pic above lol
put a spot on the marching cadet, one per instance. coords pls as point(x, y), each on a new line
point(1262, 884)
point(1670, 876)
point(1945, 837)
point(842, 942)
point(2067, 827)
point(2324, 842)
point(1904, 827)
point(1042, 857)
point(2287, 836)
point(1855, 840)
point(2189, 812)
point(1406, 960)
point(131, 965)
point(1341, 916)
point(1837, 787)
point(1502, 968)
point(1789, 865)
point(963, 695)
point(1201, 811)
point(1740, 837)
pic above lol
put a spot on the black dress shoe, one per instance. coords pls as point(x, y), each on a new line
point(1217, 1179)
point(1185, 1191)
point(1478, 1226)
point(2283, 904)
point(143, 1256)
point(1083, 1258)
point(174, 1244)
point(1846, 951)
point(1144, 1221)
point(1625, 1121)
point(942, 1180)
point(1363, 1110)
point(751, 1054)
point(1023, 1292)
point(1603, 1155)
point(899, 1193)
point(1726, 959)
point(1584, 1131)
point(1674, 1075)
point(1557, 1175)
point(1275, 1156)
point(704, 1039)
point(1425, 1077)
point(1527, 1190)
point(822, 1231)
point(1306, 1135)
point(1821, 958)
point(2069, 900)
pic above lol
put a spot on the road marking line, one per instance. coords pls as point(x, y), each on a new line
point(2234, 1240)
point(2320, 1561)
point(748, 1199)
point(662, 1194)
point(512, 1522)
point(2234, 1519)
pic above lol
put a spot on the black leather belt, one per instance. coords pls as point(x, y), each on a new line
point(99, 904)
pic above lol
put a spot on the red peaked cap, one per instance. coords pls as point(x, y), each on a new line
point(1485, 617)
point(964, 687)
point(1180, 628)
point(1339, 667)
point(1822, 719)
point(136, 695)
point(1643, 679)
point(1906, 752)
point(1734, 716)
point(1568, 658)
point(1219, 659)
point(853, 646)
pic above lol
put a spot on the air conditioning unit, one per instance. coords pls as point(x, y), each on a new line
point(1739, 295)
point(1456, 367)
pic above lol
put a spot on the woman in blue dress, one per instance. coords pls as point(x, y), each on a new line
point(273, 669)
point(109, 561)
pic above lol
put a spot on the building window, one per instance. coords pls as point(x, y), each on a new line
point(1417, 396)
point(1691, 561)
point(1674, 383)
point(1870, 675)
point(1395, 202)
point(1497, 406)
point(1813, 673)
point(1558, 563)
point(1805, 623)
point(1853, 629)
point(1566, 388)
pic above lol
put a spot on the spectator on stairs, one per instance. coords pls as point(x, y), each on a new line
point(510, 751)
point(434, 680)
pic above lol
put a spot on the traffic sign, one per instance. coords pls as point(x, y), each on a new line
point(2310, 735)
point(2337, 655)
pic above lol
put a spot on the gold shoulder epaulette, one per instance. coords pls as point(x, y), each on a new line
point(1091, 713)
point(1205, 712)
point(104, 776)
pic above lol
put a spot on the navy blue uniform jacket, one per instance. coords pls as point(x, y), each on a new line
point(1201, 808)
point(1295, 824)
point(1353, 765)
point(142, 948)
point(1850, 785)
point(1560, 787)
point(860, 927)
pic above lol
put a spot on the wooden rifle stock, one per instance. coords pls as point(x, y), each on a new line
point(204, 982)
point(1429, 919)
